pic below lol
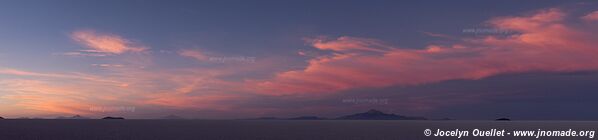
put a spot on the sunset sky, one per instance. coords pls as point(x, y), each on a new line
point(243, 59)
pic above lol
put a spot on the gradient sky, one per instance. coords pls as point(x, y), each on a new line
point(243, 59)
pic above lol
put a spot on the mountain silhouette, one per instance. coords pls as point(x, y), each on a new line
point(377, 115)
point(113, 118)
point(503, 119)
point(369, 115)
point(76, 117)
point(1, 118)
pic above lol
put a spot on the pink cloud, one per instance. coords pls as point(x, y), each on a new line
point(104, 43)
point(591, 16)
point(543, 42)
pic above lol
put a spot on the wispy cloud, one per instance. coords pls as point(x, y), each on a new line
point(75, 76)
point(438, 35)
point(43, 98)
point(108, 65)
point(348, 44)
point(104, 43)
point(195, 54)
point(591, 16)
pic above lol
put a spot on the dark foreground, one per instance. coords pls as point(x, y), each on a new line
point(263, 129)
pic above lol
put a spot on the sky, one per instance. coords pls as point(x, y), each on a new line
point(471, 60)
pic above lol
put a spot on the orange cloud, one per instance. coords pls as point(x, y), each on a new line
point(37, 93)
point(344, 44)
point(104, 43)
point(543, 43)
point(44, 98)
point(77, 76)
point(27, 73)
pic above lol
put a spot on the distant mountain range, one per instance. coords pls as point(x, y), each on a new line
point(113, 118)
point(378, 115)
point(503, 119)
point(369, 115)
point(76, 117)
